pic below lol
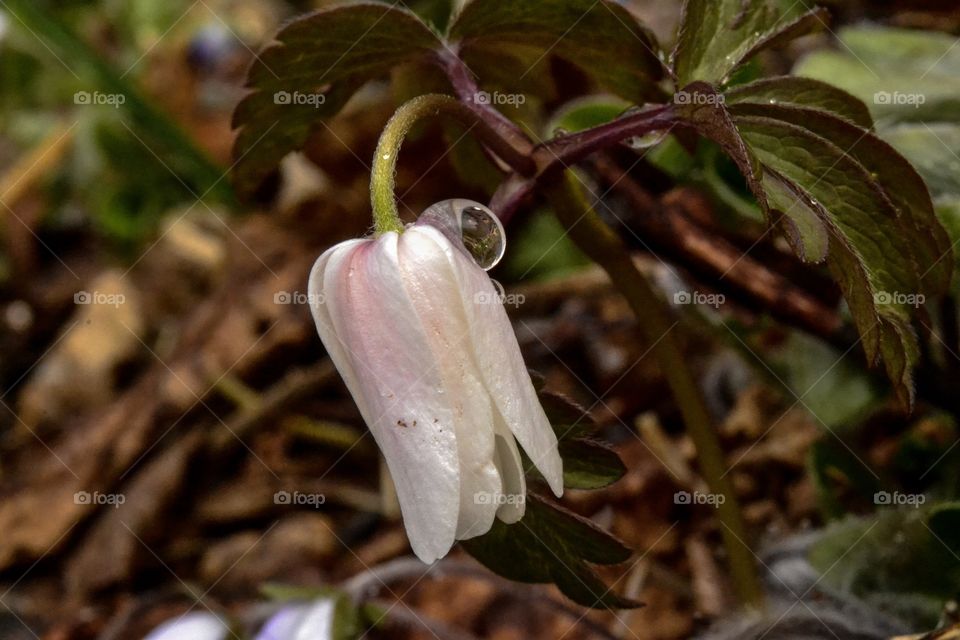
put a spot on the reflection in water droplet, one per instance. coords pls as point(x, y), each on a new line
point(470, 225)
point(482, 235)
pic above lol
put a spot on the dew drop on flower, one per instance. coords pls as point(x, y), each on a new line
point(472, 225)
point(482, 235)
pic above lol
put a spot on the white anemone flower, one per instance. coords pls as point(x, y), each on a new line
point(417, 331)
point(195, 625)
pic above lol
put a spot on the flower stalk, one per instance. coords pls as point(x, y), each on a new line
point(383, 172)
point(606, 248)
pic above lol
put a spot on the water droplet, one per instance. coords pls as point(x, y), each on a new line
point(386, 156)
point(773, 101)
point(482, 235)
point(645, 141)
point(472, 226)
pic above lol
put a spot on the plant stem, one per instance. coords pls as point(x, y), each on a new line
point(607, 249)
point(383, 174)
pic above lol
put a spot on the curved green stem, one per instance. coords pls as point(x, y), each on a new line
point(606, 248)
point(383, 173)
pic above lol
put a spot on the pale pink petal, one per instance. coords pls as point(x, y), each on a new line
point(431, 286)
point(510, 465)
point(378, 344)
point(501, 363)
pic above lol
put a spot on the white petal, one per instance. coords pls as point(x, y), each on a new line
point(432, 288)
point(380, 348)
point(317, 623)
point(501, 364)
point(284, 623)
point(511, 470)
point(196, 625)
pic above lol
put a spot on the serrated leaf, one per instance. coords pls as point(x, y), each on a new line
point(317, 63)
point(588, 464)
point(802, 92)
point(900, 182)
point(867, 200)
point(601, 37)
point(717, 36)
point(874, 268)
point(551, 544)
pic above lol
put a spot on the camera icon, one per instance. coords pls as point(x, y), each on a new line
point(282, 97)
point(682, 297)
point(882, 97)
point(82, 97)
point(682, 97)
point(82, 497)
point(481, 97)
point(682, 497)
point(82, 297)
point(882, 297)
point(282, 497)
point(882, 497)
point(282, 297)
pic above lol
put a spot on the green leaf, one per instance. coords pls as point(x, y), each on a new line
point(875, 269)
point(319, 61)
point(902, 75)
point(717, 36)
point(933, 149)
point(792, 91)
point(892, 558)
point(588, 464)
point(551, 544)
point(845, 195)
point(584, 113)
point(900, 182)
point(601, 37)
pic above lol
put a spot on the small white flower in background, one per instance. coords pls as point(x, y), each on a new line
point(312, 621)
point(438, 378)
point(196, 625)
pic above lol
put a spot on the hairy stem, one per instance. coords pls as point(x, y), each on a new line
point(383, 174)
point(563, 151)
point(606, 248)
